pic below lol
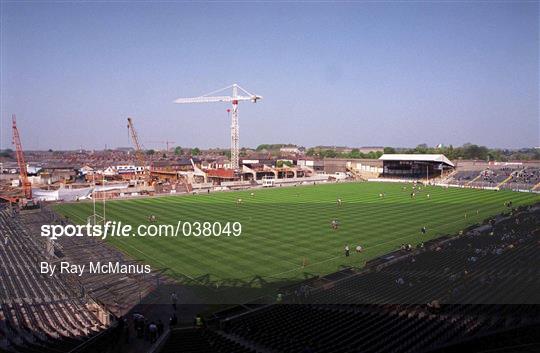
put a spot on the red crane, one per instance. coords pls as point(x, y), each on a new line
point(23, 173)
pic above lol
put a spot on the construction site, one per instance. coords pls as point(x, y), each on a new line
point(29, 177)
point(131, 172)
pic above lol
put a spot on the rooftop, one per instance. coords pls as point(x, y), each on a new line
point(417, 157)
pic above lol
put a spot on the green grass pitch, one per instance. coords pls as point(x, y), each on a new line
point(286, 232)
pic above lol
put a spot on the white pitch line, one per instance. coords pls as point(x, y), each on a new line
point(310, 265)
point(372, 247)
point(151, 257)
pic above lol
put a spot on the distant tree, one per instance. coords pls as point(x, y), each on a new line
point(178, 150)
point(329, 154)
point(6, 153)
point(310, 152)
point(494, 155)
point(273, 146)
point(355, 153)
point(372, 155)
point(536, 153)
point(471, 151)
point(422, 148)
point(389, 150)
point(150, 152)
point(449, 152)
point(195, 151)
point(280, 164)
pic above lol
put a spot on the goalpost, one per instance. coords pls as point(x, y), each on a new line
point(96, 218)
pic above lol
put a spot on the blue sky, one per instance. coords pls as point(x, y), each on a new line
point(357, 74)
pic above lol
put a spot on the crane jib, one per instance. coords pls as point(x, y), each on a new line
point(234, 99)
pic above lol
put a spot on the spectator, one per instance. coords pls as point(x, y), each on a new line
point(152, 329)
point(174, 300)
point(173, 320)
point(199, 322)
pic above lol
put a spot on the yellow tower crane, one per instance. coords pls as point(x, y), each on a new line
point(139, 151)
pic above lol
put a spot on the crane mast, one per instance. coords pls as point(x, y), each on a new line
point(166, 143)
point(234, 99)
point(23, 172)
point(139, 153)
point(235, 131)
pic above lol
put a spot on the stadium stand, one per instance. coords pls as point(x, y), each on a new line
point(464, 176)
point(448, 295)
point(506, 177)
point(525, 178)
point(64, 312)
point(38, 313)
point(117, 292)
point(195, 340)
point(475, 261)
